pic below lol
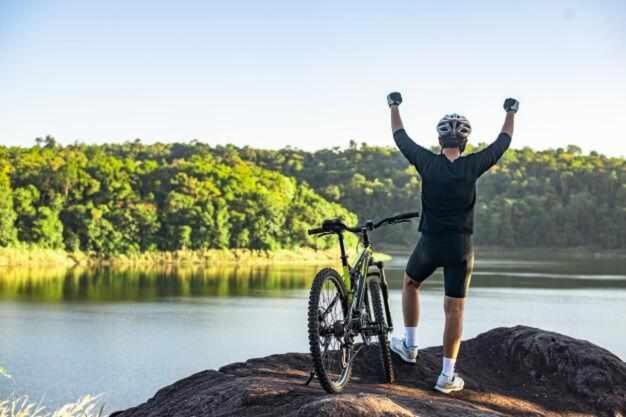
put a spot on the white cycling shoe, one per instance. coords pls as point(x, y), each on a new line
point(407, 353)
point(448, 384)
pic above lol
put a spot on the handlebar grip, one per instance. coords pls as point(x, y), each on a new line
point(315, 231)
point(406, 216)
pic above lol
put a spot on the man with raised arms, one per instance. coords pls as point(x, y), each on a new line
point(447, 223)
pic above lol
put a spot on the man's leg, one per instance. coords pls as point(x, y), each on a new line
point(410, 301)
point(456, 280)
point(406, 347)
point(410, 309)
point(417, 270)
point(448, 381)
point(453, 332)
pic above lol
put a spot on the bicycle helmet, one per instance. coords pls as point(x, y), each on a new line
point(453, 130)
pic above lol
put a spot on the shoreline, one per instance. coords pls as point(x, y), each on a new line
point(28, 257)
point(522, 253)
point(35, 257)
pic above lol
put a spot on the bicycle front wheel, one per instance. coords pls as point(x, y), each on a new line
point(330, 342)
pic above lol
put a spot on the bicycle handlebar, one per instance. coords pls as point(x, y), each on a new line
point(397, 219)
point(337, 226)
point(405, 216)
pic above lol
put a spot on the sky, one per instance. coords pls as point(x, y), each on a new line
point(311, 74)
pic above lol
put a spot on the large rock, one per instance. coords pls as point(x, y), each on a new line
point(517, 371)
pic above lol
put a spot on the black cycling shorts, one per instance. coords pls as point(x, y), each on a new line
point(453, 252)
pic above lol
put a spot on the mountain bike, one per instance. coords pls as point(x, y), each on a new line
point(344, 306)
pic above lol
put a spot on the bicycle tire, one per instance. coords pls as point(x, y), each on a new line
point(375, 290)
point(315, 339)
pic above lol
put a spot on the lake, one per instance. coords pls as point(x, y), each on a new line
point(125, 334)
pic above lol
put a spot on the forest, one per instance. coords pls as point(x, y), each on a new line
point(120, 199)
point(558, 198)
point(133, 197)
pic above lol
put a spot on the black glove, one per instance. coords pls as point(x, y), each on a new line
point(511, 105)
point(394, 99)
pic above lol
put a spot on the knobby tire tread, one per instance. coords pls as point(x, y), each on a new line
point(313, 327)
point(383, 337)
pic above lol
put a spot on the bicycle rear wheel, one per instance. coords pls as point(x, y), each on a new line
point(330, 343)
point(375, 298)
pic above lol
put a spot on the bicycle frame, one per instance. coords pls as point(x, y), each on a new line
point(359, 319)
point(355, 278)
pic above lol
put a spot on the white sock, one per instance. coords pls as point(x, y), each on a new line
point(410, 336)
point(448, 367)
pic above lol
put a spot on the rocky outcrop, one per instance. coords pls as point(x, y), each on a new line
point(517, 371)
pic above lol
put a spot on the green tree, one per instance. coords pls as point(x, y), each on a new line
point(132, 197)
point(8, 232)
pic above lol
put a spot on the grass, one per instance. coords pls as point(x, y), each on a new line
point(224, 256)
point(86, 406)
point(26, 256)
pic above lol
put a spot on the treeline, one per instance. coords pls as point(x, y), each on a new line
point(132, 197)
point(554, 198)
point(129, 198)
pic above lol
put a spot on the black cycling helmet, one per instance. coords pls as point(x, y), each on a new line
point(453, 130)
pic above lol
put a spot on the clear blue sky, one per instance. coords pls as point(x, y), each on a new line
point(310, 74)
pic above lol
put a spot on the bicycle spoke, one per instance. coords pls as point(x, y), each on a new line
point(332, 304)
point(332, 348)
point(331, 316)
point(326, 344)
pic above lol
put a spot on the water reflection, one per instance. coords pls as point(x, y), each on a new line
point(65, 333)
point(107, 284)
point(141, 284)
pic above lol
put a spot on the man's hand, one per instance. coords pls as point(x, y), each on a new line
point(511, 105)
point(394, 99)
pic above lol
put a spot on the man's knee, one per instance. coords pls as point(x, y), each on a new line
point(410, 282)
point(453, 307)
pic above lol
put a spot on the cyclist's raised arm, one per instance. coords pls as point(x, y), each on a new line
point(509, 121)
point(396, 120)
point(489, 156)
point(413, 152)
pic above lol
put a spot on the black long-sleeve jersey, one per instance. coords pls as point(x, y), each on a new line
point(449, 187)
